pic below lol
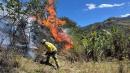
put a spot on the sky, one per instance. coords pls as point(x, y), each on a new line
point(86, 12)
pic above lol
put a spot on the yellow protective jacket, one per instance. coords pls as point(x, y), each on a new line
point(50, 47)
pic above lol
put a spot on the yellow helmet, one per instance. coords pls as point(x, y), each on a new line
point(43, 40)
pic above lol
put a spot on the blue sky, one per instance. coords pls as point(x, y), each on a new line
point(86, 12)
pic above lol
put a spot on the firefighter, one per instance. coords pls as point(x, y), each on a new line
point(51, 52)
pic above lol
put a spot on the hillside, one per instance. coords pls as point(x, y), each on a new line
point(122, 23)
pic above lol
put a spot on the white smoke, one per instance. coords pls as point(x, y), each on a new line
point(66, 30)
point(4, 28)
point(4, 11)
point(29, 34)
point(32, 54)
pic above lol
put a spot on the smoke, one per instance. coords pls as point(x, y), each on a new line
point(3, 9)
point(31, 54)
point(66, 30)
point(29, 34)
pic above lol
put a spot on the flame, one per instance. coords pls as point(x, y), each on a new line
point(53, 23)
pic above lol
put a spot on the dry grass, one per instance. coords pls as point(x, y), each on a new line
point(28, 66)
point(19, 64)
point(91, 67)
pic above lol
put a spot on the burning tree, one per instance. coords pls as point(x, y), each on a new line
point(53, 23)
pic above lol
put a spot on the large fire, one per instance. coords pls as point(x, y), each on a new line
point(53, 23)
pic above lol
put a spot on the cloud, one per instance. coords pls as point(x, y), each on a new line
point(92, 6)
point(125, 15)
point(110, 5)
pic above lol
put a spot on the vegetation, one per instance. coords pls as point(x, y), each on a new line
point(104, 40)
